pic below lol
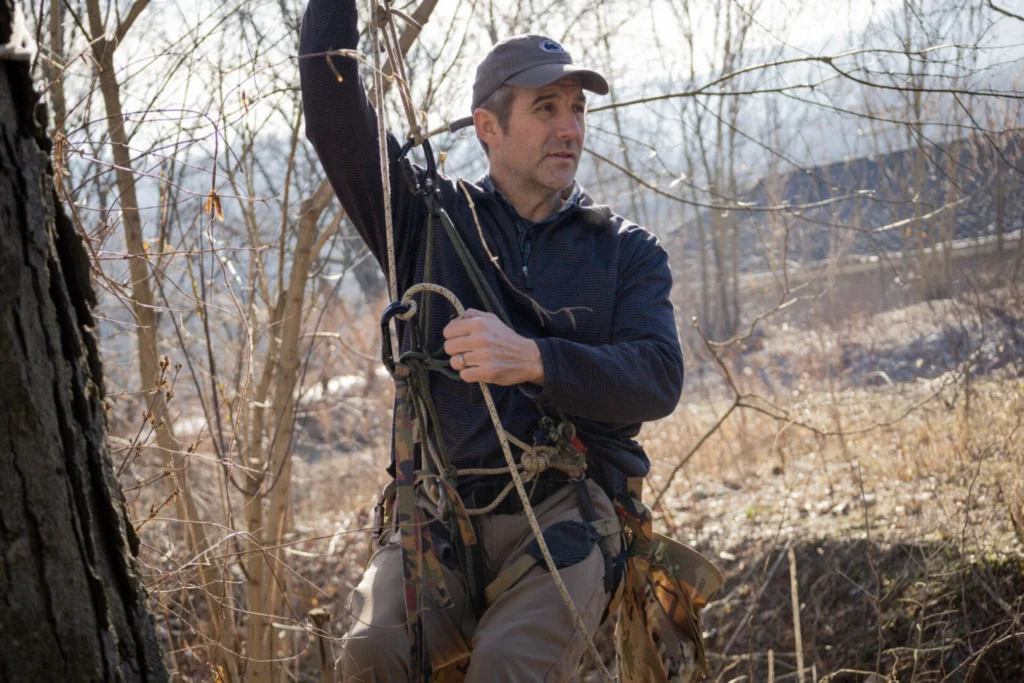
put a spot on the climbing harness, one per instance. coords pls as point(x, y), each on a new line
point(414, 413)
point(416, 421)
point(644, 574)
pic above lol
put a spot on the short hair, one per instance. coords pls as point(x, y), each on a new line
point(499, 103)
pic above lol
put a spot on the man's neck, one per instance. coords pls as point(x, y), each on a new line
point(532, 205)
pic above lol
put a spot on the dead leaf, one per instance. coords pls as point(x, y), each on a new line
point(213, 205)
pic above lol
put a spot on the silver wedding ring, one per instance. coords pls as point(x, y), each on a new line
point(462, 356)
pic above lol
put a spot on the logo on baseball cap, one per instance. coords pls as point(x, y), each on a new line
point(527, 61)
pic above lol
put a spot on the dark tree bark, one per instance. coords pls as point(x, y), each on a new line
point(72, 607)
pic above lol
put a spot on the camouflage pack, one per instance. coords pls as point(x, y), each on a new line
point(658, 635)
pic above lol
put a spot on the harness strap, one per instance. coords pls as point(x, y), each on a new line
point(590, 514)
point(412, 533)
point(515, 571)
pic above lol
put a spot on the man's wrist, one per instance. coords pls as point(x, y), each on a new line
point(536, 365)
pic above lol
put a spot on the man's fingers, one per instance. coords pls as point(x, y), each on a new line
point(463, 326)
point(459, 345)
point(473, 374)
point(460, 360)
point(456, 328)
point(474, 313)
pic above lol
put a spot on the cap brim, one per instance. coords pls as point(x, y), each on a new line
point(459, 124)
point(546, 74)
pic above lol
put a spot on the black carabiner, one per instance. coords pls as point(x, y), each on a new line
point(406, 147)
point(392, 310)
point(431, 183)
point(428, 153)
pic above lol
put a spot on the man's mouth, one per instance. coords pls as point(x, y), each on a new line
point(564, 154)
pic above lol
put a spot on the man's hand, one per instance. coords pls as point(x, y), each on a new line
point(484, 349)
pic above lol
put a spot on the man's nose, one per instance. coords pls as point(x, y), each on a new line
point(569, 127)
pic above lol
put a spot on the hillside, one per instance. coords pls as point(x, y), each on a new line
point(969, 188)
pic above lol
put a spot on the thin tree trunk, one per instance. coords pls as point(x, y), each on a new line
point(719, 245)
point(72, 607)
point(54, 73)
point(263, 590)
point(636, 203)
point(734, 229)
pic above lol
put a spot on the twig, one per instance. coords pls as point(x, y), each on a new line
point(794, 586)
point(840, 672)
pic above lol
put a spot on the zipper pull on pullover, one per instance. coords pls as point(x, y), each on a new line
point(527, 246)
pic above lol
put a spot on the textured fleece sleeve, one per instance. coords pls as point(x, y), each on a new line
point(639, 376)
point(342, 125)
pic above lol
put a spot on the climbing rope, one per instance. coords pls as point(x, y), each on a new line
point(517, 479)
point(382, 143)
point(534, 459)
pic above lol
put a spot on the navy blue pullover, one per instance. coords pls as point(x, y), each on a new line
point(619, 365)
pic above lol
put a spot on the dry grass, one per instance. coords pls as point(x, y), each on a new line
point(904, 523)
point(899, 500)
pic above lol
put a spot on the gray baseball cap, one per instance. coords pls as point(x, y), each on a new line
point(528, 61)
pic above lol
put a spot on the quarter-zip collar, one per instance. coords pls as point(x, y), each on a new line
point(571, 201)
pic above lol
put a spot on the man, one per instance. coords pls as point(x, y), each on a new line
point(607, 357)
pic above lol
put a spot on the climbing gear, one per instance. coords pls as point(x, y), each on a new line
point(658, 634)
point(542, 488)
point(422, 463)
point(556, 447)
point(413, 406)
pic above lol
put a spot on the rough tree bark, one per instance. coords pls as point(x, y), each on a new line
point(72, 607)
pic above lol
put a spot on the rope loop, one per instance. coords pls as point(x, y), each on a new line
point(409, 314)
point(417, 135)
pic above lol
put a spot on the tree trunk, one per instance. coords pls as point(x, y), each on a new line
point(72, 607)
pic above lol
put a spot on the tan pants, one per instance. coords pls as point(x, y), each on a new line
point(527, 634)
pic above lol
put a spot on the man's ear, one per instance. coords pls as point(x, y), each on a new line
point(487, 127)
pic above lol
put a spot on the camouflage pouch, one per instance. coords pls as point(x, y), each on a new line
point(658, 633)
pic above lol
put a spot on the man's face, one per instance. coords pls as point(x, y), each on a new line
point(545, 134)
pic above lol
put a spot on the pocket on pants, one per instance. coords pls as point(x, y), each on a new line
point(570, 542)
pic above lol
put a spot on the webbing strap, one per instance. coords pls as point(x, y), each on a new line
point(515, 571)
point(589, 514)
point(409, 530)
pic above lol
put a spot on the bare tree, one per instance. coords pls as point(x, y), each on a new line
point(74, 606)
